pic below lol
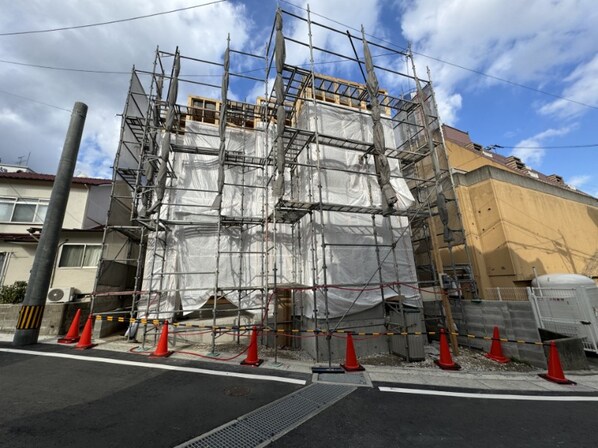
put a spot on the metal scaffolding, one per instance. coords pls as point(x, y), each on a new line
point(284, 219)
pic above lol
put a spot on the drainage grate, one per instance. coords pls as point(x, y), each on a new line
point(357, 379)
point(268, 423)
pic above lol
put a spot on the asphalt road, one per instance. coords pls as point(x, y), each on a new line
point(50, 402)
point(370, 418)
point(55, 402)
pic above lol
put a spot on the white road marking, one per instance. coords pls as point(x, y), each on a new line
point(249, 376)
point(442, 393)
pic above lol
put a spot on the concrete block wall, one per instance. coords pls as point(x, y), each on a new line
point(515, 320)
point(410, 348)
point(371, 320)
point(522, 325)
point(8, 317)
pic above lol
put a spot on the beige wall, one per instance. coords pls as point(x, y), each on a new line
point(75, 209)
point(551, 233)
point(83, 279)
point(21, 261)
point(513, 223)
point(465, 160)
point(86, 207)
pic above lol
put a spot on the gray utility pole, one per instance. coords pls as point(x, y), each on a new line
point(32, 310)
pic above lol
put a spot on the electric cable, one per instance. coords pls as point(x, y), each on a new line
point(35, 101)
point(590, 145)
point(442, 61)
point(110, 22)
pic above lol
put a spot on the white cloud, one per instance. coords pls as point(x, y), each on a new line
point(38, 129)
point(533, 42)
point(200, 33)
point(448, 105)
point(580, 180)
point(530, 149)
point(342, 12)
point(582, 87)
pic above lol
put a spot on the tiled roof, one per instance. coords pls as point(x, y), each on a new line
point(51, 177)
point(510, 163)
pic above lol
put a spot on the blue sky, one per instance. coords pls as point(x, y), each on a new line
point(545, 45)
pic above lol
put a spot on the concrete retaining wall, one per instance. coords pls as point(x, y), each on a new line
point(56, 321)
point(571, 352)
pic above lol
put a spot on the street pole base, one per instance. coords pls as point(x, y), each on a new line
point(25, 337)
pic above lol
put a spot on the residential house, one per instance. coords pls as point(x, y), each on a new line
point(24, 198)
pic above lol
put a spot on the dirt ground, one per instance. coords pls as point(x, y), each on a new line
point(470, 360)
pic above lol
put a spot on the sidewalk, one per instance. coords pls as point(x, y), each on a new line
point(514, 382)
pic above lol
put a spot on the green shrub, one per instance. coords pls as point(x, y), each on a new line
point(14, 293)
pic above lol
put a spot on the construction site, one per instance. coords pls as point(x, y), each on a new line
point(310, 211)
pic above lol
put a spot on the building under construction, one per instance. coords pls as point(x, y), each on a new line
point(312, 208)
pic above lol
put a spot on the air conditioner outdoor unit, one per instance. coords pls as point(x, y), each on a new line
point(60, 295)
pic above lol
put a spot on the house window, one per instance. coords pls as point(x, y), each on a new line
point(80, 256)
point(23, 210)
point(3, 264)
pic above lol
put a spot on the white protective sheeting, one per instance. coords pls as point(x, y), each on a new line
point(193, 244)
point(347, 264)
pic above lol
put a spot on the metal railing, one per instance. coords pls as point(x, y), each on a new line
point(506, 294)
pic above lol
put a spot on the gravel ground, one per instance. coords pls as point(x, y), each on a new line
point(469, 359)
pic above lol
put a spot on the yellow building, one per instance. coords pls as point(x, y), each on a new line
point(516, 219)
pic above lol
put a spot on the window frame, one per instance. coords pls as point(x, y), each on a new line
point(4, 265)
point(14, 201)
point(80, 266)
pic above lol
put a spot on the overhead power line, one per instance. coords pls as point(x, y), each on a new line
point(513, 83)
point(442, 61)
point(110, 22)
point(590, 145)
point(116, 72)
point(35, 101)
point(66, 69)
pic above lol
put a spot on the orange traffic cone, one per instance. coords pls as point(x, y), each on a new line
point(351, 364)
point(252, 359)
point(162, 347)
point(446, 361)
point(496, 353)
point(85, 341)
point(555, 370)
point(73, 334)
